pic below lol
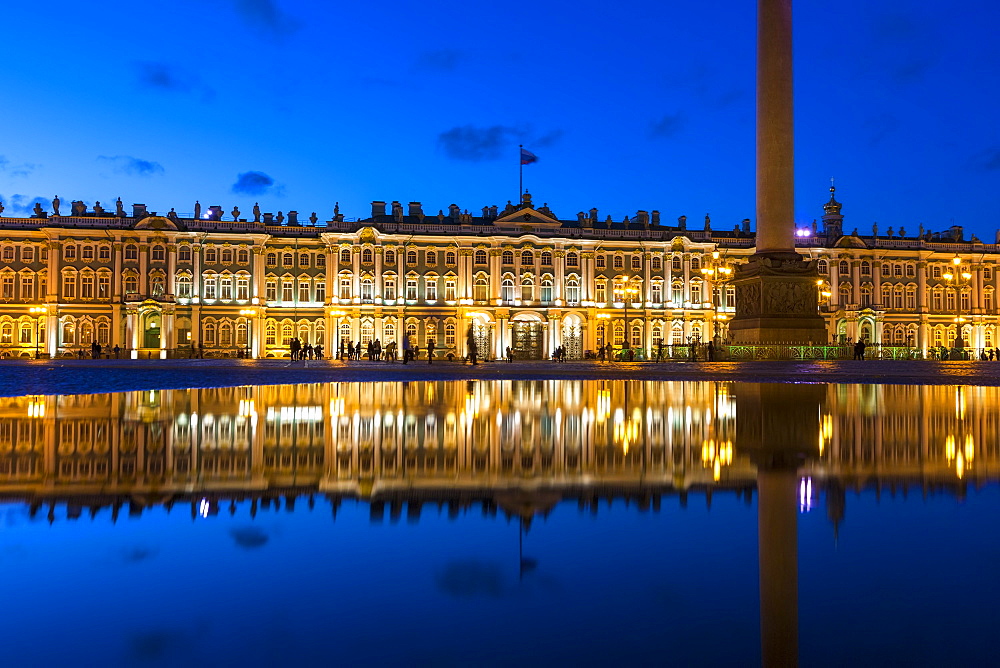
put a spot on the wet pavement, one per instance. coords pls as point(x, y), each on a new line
point(20, 377)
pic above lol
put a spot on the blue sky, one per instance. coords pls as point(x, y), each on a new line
point(629, 105)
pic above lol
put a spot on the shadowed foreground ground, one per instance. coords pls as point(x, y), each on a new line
point(19, 377)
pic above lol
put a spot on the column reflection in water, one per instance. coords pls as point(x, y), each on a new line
point(515, 446)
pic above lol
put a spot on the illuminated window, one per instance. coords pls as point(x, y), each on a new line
point(389, 257)
point(547, 259)
point(450, 257)
point(527, 257)
point(211, 255)
point(411, 257)
point(656, 263)
point(69, 252)
point(159, 253)
point(243, 256)
point(507, 257)
point(345, 256)
point(600, 262)
point(430, 258)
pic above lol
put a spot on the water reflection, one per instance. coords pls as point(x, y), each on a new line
point(584, 439)
point(511, 447)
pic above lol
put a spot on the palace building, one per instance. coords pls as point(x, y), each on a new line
point(519, 277)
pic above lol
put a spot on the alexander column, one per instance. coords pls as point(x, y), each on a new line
point(776, 294)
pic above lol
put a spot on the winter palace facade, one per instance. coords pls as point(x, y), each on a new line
point(518, 278)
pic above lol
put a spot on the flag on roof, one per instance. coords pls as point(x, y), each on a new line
point(527, 157)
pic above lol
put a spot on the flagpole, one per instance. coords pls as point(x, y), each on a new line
point(520, 175)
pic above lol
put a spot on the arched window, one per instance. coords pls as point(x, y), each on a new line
point(184, 253)
point(695, 264)
point(546, 290)
point(431, 258)
point(675, 263)
point(241, 334)
point(367, 332)
point(527, 289)
point(287, 333)
point(367, 257)
point(481, 289)
point(507, 290)
point(388, 331)
point(619, 262)
point(480, 257)
point(657, 293)
point(131, 252)
point(636, 335)
point(159, 253)
point(546, 259)
point(656, 264)
point(209, 336)
point(270, 333)
point(572, 260)
point(211, 255)
point(367, 290)
point(657, 334)
point(304, 259)
point(866, 268)
point(345, 255)
point(243, 256)
point(411, 257)
point(845, 268)
point(272, 260)
point(389, 257)
point(68, 333)
point(619, 339)
point(450, 257)
point(527, 257)
point(227, 256)
point(507, 257)
point(573, 291)
point(845, 294)
point(131, 285)
point(288, 260)
point(822, 266)
point(225, 334)
point(449, 334)
point(103, 333)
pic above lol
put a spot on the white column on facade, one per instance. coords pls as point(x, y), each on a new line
point(921, 287)
point(258, 279)
point(55, 280)
point(132, 331)
point(171, 268)
point(856, 279)
point(496, 275)
point(379, 286)
point(168, 332)
point(686, 295)
point(52, 334)
point(558, 292)
point(877, 290)
point(196, 279)
point(356, 271)
point(834, 273)
point(647, 283)
point(144, 286)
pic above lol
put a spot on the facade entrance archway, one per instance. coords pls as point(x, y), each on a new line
point(527, 338)
point(572, 337)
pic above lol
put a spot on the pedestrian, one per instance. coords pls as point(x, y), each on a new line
point(406, 349)
point(508, 355)
point(430, 351)
point(711, 351)
point(117, 350)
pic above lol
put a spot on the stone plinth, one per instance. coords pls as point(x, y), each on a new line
point(777, 302)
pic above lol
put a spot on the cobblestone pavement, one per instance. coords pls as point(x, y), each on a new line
point(20, 377)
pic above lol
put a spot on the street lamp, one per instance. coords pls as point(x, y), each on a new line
point(249, 313)
point(958, 277)
point(624, 293)
point(717, 272)
point(39, 312)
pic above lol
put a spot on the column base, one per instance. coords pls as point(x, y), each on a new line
point(777, 301)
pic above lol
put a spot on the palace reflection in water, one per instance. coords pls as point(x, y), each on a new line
point(465, 441)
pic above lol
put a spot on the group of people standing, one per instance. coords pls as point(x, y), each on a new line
point(305, 352)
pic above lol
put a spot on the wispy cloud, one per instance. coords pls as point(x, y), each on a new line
point(440, 60)
point(15, 170)
point(667, 125)
point(987, 160)
point(23, 204)
point(126, 164)
point(479, 144)
point(255, 183)
point(268, 16)
point(167, 78)
point(880, 127)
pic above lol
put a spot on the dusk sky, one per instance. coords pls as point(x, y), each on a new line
point(628, 105)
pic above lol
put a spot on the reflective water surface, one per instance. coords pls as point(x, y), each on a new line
point(499, 522)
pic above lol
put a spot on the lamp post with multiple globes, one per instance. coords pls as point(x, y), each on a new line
point(958, 277)
point(626, 292)
point(250, 314)
point(717, 273)
point(39, 312)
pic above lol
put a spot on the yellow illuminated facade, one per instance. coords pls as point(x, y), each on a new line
point(520, 278)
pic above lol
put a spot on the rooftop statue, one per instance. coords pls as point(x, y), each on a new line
point(256, 212)
point(55, 205)
point(38, 210)
point(98, 209)
point(236, 213)
point(119, 209)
